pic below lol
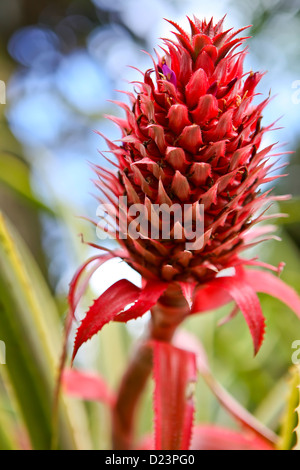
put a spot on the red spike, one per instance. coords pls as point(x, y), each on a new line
point(194, 29)
point(181, 31)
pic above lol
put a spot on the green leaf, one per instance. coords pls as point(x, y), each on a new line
point(297, 429)
point(8, 438)
point(291, 208)
point(290, 430)
point(15, 173)
point(32, 334)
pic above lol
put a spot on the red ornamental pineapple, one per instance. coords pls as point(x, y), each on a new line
point(191, 136)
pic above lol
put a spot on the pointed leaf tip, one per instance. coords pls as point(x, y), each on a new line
point(104, 309)
point(188, 289)
point(248, 302)
point(223, 289)
point(110, 306)
point(149, 295)
point(79, 283)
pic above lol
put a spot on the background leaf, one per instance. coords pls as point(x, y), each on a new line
point(297, 430)
point(31, 331)
point(15, 173)
point(290, 421)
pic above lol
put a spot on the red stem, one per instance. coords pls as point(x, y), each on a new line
point(168, 313)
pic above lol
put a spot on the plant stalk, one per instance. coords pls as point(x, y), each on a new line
point(166, 316)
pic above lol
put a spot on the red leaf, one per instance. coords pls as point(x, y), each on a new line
point(111, 304)
point(190, 342)
point(146, 443)
point(149, 295)
point(183, 339)
point(221, 290)
point(210, 297)
point(76, 291)
point(174, 375)
point(267, 283)
point(211, 437)
point(87, 386)
point(242, 288)
point(113, 301)
point(247, 300)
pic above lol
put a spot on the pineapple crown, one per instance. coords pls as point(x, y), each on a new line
point(191, 137)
